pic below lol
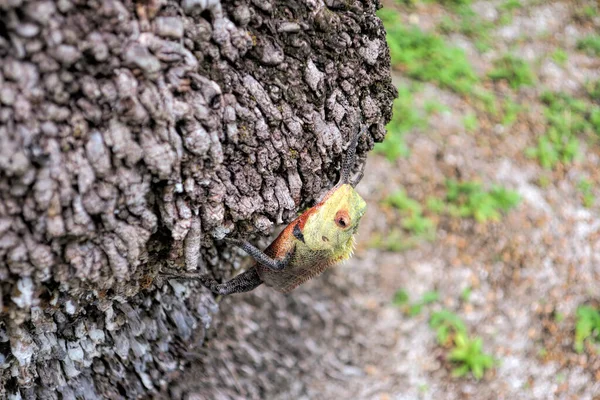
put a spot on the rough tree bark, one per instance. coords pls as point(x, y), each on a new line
point(132, 135)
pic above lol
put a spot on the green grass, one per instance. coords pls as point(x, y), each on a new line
point(587, 327)
point(469, 355)
point(435, 205)
point(395, 240)
point(468, 23)
point(592, 89)
point(470, 200)
point(434, 106)
point(560, 57)
point(465, 295)
point(454, 3)
point(411, 212)
point(402, 299)
point(470, 122)
point(446, 324)
point(586, 187)
point(511, 5)
point(510, 112)
point(567, 118)
point(514, 70)
point(463, 199)
point(427, 57)
point(590, 45)
point(405, 118)
point(586, 13)
point(465, 352)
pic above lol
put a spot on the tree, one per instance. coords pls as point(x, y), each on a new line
point(134, 135)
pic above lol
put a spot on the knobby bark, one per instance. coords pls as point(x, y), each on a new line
point(133, 136)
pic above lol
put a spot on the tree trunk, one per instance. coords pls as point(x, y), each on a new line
point(134, 136)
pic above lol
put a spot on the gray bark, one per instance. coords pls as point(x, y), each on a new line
point(133, 136)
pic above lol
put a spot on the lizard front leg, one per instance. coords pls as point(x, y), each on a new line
point(261, 257)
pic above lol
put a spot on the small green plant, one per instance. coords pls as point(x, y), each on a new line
point(470, 122)
point(469, 199)
point(590, 45)
point(468, 353)
point(586, 189)
point(465, 351)
point(427, 57)
point(592, 89)
point(510, 112)
point(514, 70)
point(511, 5)
point(395, 240)
point(400, 200)
point(587, 327)
point(408, 3)
point(553, 147)
point(451, 3)
point(567, 118)
point(435, 205)
point(586, 13)
point(434, 106)
point(465, 295)
point(402, 300)
point(467, 22)
point(411, 211)
point(405, 118)
point(560, 57)
point(446, 325)
point(487, 99)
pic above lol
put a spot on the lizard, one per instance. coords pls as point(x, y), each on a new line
point(320, 237)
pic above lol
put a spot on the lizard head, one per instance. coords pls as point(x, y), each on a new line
point(335, 220)
point(333, 225)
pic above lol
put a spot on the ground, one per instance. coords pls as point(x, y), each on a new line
point(516, 281)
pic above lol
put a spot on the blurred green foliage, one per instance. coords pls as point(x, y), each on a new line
point(560, 57)
point(469, 199)
point(469, 355)
point(467, 22)
point(446, 324)
point(510, 111)
point(514, 70)
point(395, 240)
point(411, 212)
point(585, 187)
point(567, 118)
point(511, 5)
point(587, 326)
point(593, 90)
point(467, 352)
point(427, 57)
point(402, 300)
point(590, 45)
point(470, 122)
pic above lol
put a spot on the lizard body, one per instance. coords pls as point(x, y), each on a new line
point(321, 236)
point(316, 239)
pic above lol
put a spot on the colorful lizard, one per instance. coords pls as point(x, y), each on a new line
point(322, 236)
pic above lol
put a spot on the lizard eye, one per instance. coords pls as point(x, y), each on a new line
point(342, 219)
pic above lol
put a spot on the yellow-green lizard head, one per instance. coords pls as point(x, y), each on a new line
point(335, 221)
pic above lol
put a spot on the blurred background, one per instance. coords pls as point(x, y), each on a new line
point(478, 261)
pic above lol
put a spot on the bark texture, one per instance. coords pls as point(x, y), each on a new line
point(133, 136)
